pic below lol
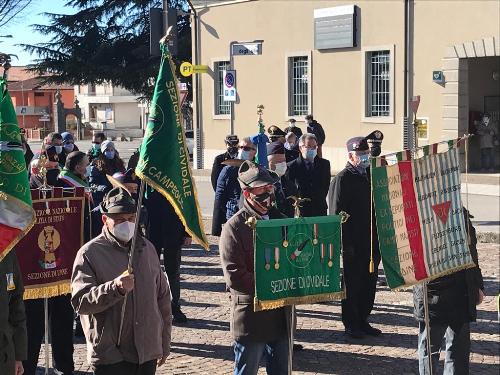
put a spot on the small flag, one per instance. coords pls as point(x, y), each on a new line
point(164, 159)
point(16, 211)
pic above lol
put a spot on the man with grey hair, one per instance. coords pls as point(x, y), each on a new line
point(309, 174)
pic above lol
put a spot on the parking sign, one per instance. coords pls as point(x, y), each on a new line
point(229, 85)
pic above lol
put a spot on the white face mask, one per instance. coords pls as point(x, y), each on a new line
point(124, 231)
point(280, 168)
point(87, 170)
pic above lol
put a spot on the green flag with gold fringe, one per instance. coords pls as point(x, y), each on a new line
point(164, 159)
point(16, 211)
point(297, 261)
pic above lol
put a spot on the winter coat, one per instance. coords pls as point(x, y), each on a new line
point(236, 249)
point(217, 167)
point(310, 183)
point(95, 297)
point(315, 128)
point(350, 192)
point(228, 191)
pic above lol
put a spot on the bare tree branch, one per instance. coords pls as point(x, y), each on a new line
point(10, 9)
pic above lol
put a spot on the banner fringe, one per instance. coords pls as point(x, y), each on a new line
point(48, 291)
point(305, 300)
point(441, 274)
point(202, 241)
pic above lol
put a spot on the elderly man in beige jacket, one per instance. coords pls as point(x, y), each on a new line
point(100, 285)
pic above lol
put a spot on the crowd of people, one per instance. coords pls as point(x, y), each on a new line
point(103, 289)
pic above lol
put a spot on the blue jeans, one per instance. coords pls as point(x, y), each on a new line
point(457, 346)
point(247, 356)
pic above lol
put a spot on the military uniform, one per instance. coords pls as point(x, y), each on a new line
point(13, 339)
point(351, 192)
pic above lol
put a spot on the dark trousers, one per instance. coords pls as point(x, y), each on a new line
point(487, 158)
point(126, 368)
point(172, 263)
point(360, 287)
point(457, 347)
point(61, 318)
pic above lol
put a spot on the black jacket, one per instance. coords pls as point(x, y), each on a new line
point(295, 130)
point(452, 298)
point(217, 167)
point(165, 228)
point(312, 184)
point(292, 154)
point(315, 128)
point(350, 192)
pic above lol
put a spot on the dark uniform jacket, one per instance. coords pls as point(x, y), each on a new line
point(217, 167)
point(295, 130)
point(310, 183)
point(13, 339)
point(237, 258)
point(350, 192)
point(452, 298)
point(292, 153)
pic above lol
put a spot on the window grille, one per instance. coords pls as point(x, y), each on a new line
point(298, 90)
point(221, 107)
point(379, 84)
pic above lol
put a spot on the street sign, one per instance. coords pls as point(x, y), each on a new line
point(437, 76)
point(254, 48)
point(187, 69)
point(44, 119)
point(229, 85)
point(23, 110)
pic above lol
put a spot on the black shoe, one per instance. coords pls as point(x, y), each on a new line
point(369, 330)
point(179, 317)
point(354, 333)
point(298, 347)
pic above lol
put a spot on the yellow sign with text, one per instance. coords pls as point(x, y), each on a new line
point(187, 69)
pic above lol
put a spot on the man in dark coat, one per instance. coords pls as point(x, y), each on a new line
point(293, 128)
point(351, 193)
point(12, 317)
point(309, 175)
point(167, 233)
point(276, 134)
point(278, 165)
point(291, 147)
point(231, 153)
point(228, 191)
point(314, 127)
point(255, 334)
point(219, 212)
point(452, 306)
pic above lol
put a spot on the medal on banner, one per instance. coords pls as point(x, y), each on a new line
point(330, 261)
point(276, 258)
point(268, 258)
point(284, 231)
point(315, 232)
point(323, 250)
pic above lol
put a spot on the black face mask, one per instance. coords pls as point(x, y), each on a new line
point(375, 150)
point(264, 200)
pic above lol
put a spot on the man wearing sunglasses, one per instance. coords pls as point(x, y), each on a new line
point(255, 334)
point(228, 191)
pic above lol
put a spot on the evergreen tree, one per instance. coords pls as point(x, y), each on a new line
point(105, 41)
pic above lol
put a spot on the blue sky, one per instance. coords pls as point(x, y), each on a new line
point(21, 31)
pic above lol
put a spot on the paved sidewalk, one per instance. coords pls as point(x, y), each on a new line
point(203, 345)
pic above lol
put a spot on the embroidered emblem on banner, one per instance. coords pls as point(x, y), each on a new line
point(442, 210)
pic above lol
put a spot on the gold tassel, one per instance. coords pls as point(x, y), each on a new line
point(305, 300)
point(372, 266)
point(48, 291)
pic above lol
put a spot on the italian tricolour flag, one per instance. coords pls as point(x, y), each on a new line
point(16, 211)
point(420, 222)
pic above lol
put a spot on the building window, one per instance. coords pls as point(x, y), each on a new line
point(221, 107)
point(378, 84)
point(39, 94)
point(298, 86)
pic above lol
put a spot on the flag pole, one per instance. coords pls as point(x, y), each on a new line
point(424, 284)
point(131, 253)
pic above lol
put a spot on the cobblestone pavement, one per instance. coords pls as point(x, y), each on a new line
point(203, 345)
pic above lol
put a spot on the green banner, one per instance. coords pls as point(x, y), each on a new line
point(164, 159)
point(297, 261)
point(16, 211)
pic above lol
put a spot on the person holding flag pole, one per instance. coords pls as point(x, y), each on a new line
point(16, 219)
